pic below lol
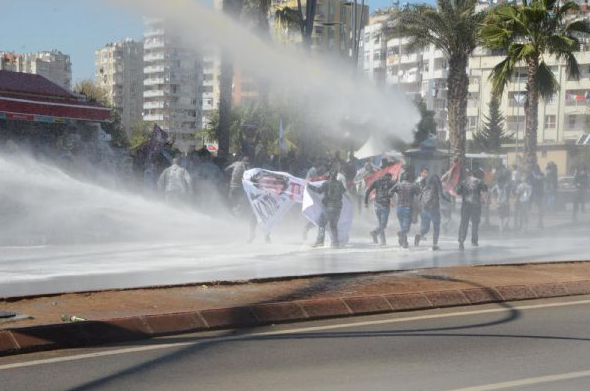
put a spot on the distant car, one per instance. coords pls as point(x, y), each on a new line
point(566, 183)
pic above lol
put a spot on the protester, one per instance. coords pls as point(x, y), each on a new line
point(383, 193)
point(236, 190)
point(581, 181)
point(537, 181)
point(551, 185)
point(406, 192)
point(175, 182)
point(430, 195)
point(523, 194)
point(470, 190)
point(333, 191)
point(359, 180)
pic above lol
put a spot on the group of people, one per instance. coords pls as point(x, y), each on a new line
point(420, 198)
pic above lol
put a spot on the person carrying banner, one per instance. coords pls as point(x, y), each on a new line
point(333, 191)
point(383, 194)
point(430, 195)
point(470, 189)
point(406, 191)
point(176, 183)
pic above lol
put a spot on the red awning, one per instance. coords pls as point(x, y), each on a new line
point(72, 109)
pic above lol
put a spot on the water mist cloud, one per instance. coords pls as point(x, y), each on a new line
point(327, 86)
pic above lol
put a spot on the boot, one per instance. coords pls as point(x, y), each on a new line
point(383, 242)
point(461, 246)
point(374, 236)
point(416, 240)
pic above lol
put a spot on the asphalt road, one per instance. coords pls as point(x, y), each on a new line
point(532, 345)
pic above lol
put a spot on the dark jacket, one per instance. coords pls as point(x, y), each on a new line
point(333, 191)
point(431, 193)
point(382, 187)
point(406, 192)
point(470, 190)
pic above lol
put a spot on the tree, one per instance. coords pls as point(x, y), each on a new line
point(427, 125)
point(92, 91)
point(255, 13)
point(527, 33)
point(115, 129)
point(491, 137)
point(451, 27)
point(141, 132)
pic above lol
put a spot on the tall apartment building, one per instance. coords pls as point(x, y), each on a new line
point(53, 65)
point(173, 78)
point(210, 89)
point(119, 71)
point(562, 119)
point(416, 73)
point(334, 23)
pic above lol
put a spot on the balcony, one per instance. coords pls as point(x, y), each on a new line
point(576, 103)
point(153, 93)
point(154, 81)
point(154, 33)
point(472, 111)
point(154, 44)
point(410, 58)
point(154, 57)
point(154, 69)
point(153, 117)
point(153, 105)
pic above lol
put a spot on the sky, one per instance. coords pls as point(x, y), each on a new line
point(75, 27)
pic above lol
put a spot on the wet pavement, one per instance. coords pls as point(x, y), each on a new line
point(26, 271)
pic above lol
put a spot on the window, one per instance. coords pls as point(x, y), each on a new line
point(571, 121)
point(471, 124)
point(425, 66)
point(549, 122)
point(376, 55)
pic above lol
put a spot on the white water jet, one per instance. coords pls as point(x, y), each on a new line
point(326, 86)
point(41, 204)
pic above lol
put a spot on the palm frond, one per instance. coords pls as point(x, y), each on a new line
point(545, 82)
point(500, 76)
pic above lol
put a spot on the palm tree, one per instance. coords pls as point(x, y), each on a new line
point(452, 27)
point(527, 33)
point(254, 13)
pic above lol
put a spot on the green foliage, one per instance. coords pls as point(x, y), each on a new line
point(92, 91)
point(115, 129)
point(528, 32)
point(140, 133)
point(451, 26)
point(490, 138)
point(427, 125)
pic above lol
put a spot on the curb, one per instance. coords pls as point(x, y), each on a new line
point(89, 333)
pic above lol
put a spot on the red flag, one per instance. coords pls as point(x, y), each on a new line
point(393, 169)
point(451, 178)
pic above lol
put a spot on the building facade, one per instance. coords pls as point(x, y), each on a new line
point(334, 25)
point(418, 73)
point(52, 65)
point(119, 72)
point(173, 80)
point(561, 119)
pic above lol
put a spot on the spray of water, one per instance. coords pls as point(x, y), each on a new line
point(325, 85)
point(40, 204)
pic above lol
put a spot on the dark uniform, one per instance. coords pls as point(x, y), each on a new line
point(470, 189)
point(383, 194)
point(406, 192)
point(581, 182)
point(430, 195)
point(333, 191)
